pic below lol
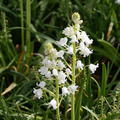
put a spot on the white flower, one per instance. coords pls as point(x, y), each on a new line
point(53, 103)
point(72, 88)
point(65, 91)
point(60, 64)
point(73, 38)
point(80, 65)
point(29, 117)
point(78, 35)
point(61, 77)
point(41, 84)
point(38, 93)
point(53, 63)
point(68, 71)
point(93, 67)
point(84, 37)
point(60, 54)
point(43, 70)
point(46, 62)
point(68, 31)
point(55, 72)
point(63, 41)
point(117, 1)
point(48, 74)
point(53, 53)
point(84, 50)
point(70, 50)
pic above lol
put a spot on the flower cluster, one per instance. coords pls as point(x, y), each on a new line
point(55, 67)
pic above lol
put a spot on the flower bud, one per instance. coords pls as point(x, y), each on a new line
point(48, 46)
point(76, 18)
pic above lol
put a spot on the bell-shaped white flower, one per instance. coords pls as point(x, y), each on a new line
point(43, 70)
point(68, 71)
point(61, 77)
point(46, 62)
point(93, 67)
point(117, 1)
point(60, 64)
point(53, 103)
point(68, 31)
point(48, 74)
point(74, 39)
point(85, 39)
point(38, 93)
point(70, 50)
point(55, 72)
point(72, 88)
point(65, 91)
point(84, 50)
point(41, 84)
point(80, 64)
point(78, 34)
point(60, 54)
point(63, 41)
point(53, 63)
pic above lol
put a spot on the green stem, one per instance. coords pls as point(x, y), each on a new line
point(22, 23)
point(73, 82)
point(57, 99)
point(28, 22)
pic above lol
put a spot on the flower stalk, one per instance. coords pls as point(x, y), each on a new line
point(73, 82)
point(57, 100)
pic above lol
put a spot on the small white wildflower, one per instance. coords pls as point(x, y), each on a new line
point(53, 63)
point(68, 71)
point(60, 64)
point(55, 72)
point(46, 62)
point(73, 38)
point(38, 93)
point(63, 41)
point(65, 91)
point(68, 31)
point(84, 50)
point(53, 53)
point(30, 117)
point(80, 65)
point(61, 77)
point(41, 84)
point(60, 54)
point(70, 50)
point(43, 70)
point(117, 1)
point(78, 35)
point(72, 88)
point(93, 67)
point(48, 74)
point(53, 103)
point(84, 37)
